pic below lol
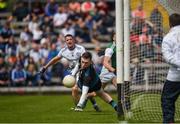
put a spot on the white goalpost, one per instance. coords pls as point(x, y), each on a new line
point(141, 69)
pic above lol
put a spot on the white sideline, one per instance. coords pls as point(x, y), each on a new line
point(42, 89)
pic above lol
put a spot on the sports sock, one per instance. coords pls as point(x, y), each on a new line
point(84, 104)
point(93, 101)
point(113, 104)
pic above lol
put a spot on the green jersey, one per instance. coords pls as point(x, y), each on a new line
point(112, 53)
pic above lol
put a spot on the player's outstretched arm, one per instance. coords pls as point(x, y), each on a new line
point(51, 62)
point(75, 70)
point(83, 96)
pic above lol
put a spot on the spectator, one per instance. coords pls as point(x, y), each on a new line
point(144, 37)
point(33, 24)
point(12, 59)
point(146, 47)
point(157, 37)
point(2, 45)
point(105, 22)
point(4, 75)
point(51, 8)
point(35, 53)
point(137, 72)
point(23, 47)
point(21, 58)
point(68, 29)
point(11, 47)
point(89, 23)
point(37, 35)
point(156, 17)
point(60, 17)
point(20, 11)
point(25, 34)
point(46, 22)
point(74, 6)
point(6, 32)
point(134, 38)
point(37, 8)
point(102, 5)
point(137, 25)
point(97, 60)
point(11, 50)
point(87, 6)
point(139, 12)
point(29, 61)
point(32, 77)
point(18, 75)
point(44, 50)
point(53, 52)
point(60, 43)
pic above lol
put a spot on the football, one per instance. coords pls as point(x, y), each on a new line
point(69, 81)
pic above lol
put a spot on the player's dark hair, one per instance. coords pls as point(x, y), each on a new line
point(174, 20)
point(86, 55)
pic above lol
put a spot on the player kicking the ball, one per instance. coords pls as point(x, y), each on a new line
point(72, 52)
point(89, 81)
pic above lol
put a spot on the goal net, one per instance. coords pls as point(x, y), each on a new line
point(141, 97)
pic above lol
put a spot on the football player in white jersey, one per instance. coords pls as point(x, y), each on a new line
point(72, 52)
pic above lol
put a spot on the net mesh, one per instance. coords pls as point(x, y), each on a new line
point(172, 6)
point(142, 96)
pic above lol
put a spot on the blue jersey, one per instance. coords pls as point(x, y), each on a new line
point(89, 77)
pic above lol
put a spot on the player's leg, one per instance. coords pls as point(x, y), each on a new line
point(75, 94)
point(169, 96)
point(107, 98)
point(92, 100)
point(94, 103)
point(108, 78)
point(114, 82)
point(104, 84)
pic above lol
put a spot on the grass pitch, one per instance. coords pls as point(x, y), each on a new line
point(56, 109)
point(51, 109)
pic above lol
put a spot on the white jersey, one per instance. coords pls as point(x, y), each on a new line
point(72, 55)
point(171, 53)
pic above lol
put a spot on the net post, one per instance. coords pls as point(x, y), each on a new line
point(119, 54)
point(120, 112)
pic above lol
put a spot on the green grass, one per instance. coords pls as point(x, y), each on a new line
point(51, 108)
point(56, 108)
point(146, 107)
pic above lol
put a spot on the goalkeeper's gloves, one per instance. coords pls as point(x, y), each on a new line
point(42, 70)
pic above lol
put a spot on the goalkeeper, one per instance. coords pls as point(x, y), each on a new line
point(89, 82)
point(171, 53)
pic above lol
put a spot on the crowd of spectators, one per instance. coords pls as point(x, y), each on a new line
point(146, 34)
point(42, 37)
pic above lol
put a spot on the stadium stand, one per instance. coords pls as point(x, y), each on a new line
point(91, 29)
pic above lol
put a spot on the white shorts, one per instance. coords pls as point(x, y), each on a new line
point(107, 77)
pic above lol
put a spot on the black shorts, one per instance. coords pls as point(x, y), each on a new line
point(92, 88)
